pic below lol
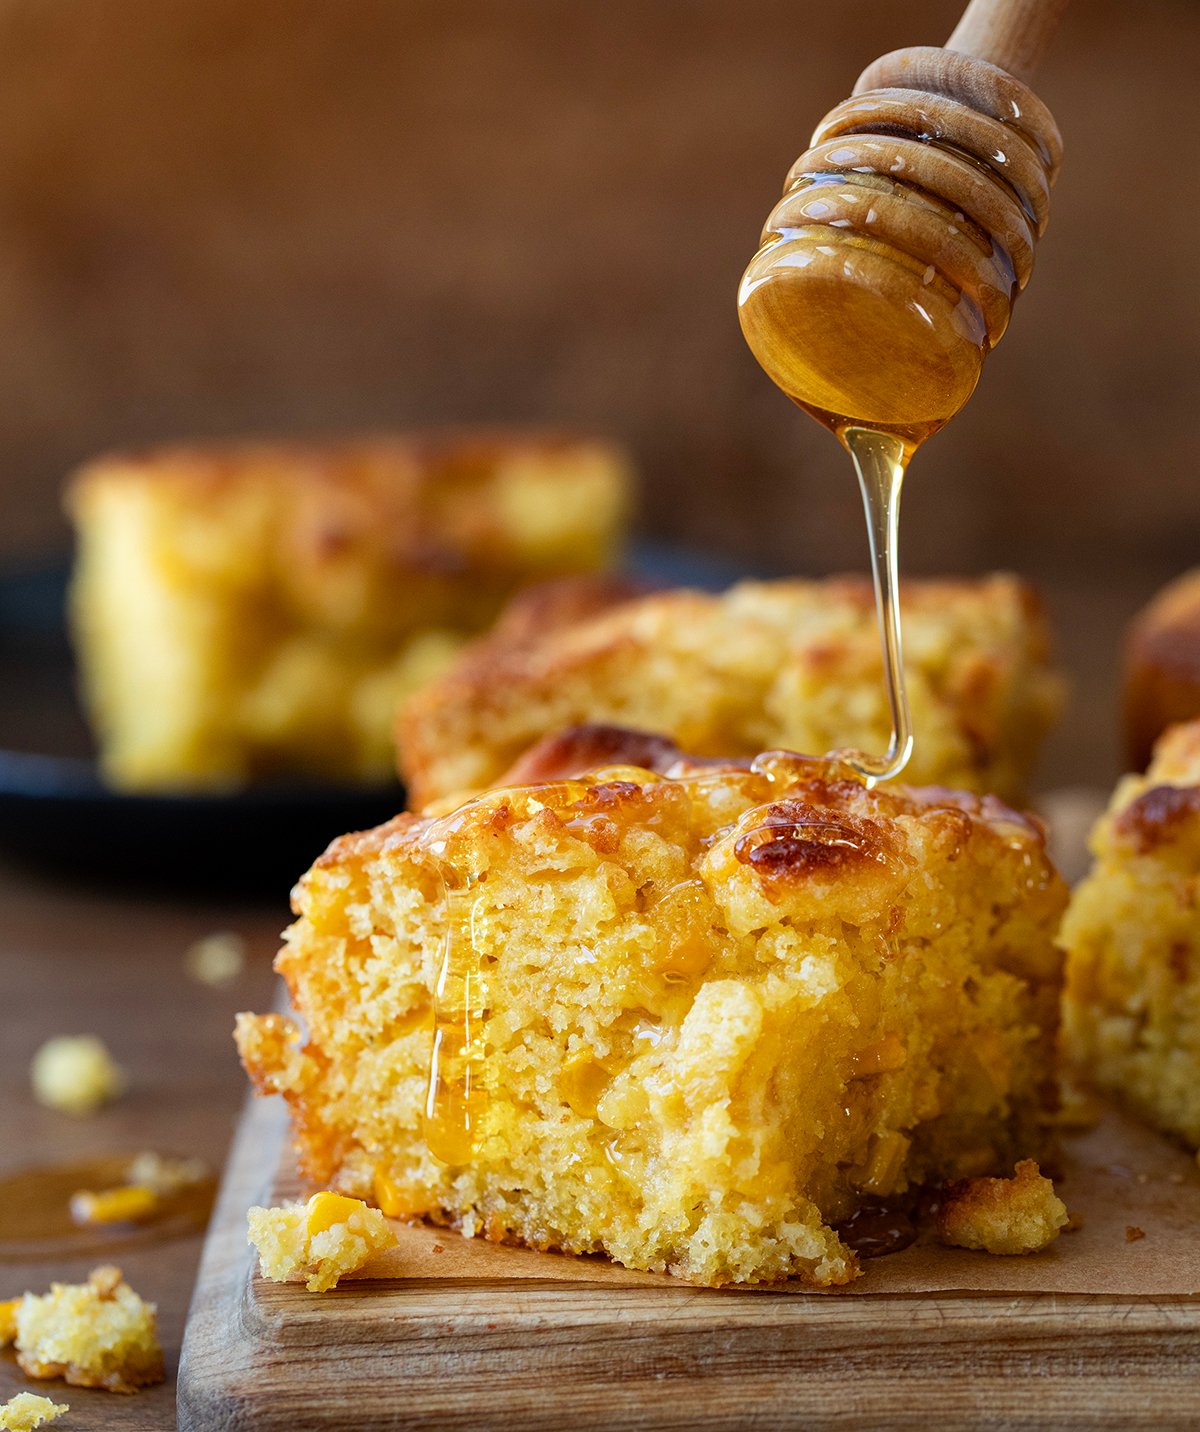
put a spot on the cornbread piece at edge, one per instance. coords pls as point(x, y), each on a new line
point(93, 1334)
point(792, 664)
point(26, 1412)
point(255, 608)
point(319, 1241)
point(1162, 667)
point(1022, 1214)
point(1132, 940)
point(711, 1011)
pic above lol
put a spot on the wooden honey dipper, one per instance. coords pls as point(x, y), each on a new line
point(889, 268)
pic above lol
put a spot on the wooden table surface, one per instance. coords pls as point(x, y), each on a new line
point(79, 960)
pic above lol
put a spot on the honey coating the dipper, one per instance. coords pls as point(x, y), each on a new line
point(888, 270)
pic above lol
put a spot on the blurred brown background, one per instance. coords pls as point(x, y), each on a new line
point(220, 217)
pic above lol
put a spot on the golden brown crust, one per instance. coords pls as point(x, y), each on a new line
point(762, 664)
point(1162, 666)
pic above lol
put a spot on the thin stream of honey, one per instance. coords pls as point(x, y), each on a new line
point(880, 460)
point(456, 1097)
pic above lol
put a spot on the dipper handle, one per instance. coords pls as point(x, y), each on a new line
point(1012, 34)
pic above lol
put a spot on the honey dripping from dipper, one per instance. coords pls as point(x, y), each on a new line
point(887, 273)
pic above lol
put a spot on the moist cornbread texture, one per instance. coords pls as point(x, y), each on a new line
point(714, 1010)
point(250, 609)
point(1022, 1214)
point(319, 1241)
point(1162, 667)
point(93, 1334)
point(1132, 940)
point(793, 664)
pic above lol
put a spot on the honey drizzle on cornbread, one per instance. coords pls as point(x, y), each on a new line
point(457, 1091)
point(456, 1096)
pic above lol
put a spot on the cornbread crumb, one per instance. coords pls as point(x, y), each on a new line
point(27, 1411)
point(321, 1240)
point(93, 1334)
point(76, 1074)
point(164, 1174)
point(1014, 1215)
point(1131, 1015)
point(1134, 1234)
point(217, 959)
point(8, 1320)
point(728, 1005)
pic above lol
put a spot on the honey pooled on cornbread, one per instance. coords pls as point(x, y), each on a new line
point(1132, 941)
point(258, 608)
point(791, 664)
point(691, 1017)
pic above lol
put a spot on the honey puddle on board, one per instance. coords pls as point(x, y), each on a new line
point(36, 1220)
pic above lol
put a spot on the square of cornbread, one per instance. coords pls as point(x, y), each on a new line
point(691, 1017)
point(258, 608)
point(1132, 941)
point(792, 664)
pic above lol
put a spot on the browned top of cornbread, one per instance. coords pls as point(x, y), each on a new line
point(792, 816)
point(1167, 630)
point(582, 651)
point(1162, 666)
point(1165, 804)
point(427, 501)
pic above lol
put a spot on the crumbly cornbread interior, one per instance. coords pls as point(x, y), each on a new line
point(93, 1334)
point(1132, 941)
point(791, 664)
point(319, 1241)
point(712, 1011)
point(26, 1412)
point(260, 608)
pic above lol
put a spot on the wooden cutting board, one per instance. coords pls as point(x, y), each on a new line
point(554, 1352)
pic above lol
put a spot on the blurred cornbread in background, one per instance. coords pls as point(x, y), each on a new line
point(723, 1007)
point(260, 609)
point(786, 664)
point(1162, 667)
point(1132, 940)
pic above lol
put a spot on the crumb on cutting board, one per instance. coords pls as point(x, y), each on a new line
point(75, 1074)
point(320, 1240)
point(93, 1334)
point(27, 1411)
point(217, 959)
point(1134, 1234)
point(1014, 1215)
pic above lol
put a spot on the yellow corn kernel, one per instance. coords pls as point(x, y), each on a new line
point(884, 1057)
point(582, 1083)
point(389, 1195)
point(8, 1321)
point(132, 1204)
point(885, 1161)
point(327, 1209)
